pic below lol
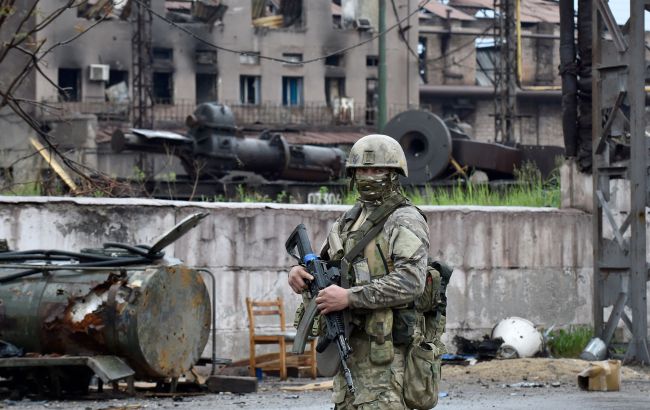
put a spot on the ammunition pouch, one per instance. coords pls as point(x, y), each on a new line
point(405, 322)
point(421, 375)
point(379, 325)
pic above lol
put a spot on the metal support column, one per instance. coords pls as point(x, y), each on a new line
point(141, 64)
point(620, 262)
point(505, 76)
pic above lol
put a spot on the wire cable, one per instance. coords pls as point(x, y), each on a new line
point(277, 59)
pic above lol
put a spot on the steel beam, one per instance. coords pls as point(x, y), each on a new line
point(619, 88)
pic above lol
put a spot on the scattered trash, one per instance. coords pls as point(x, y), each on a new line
point(292, 396)
point(485, 349)
point(526, 384)
point(595, 350)
point(9, 350)
point(442, 394)
point(601, 376)
point(458, 359)
point(328, 385)
point(520, 338)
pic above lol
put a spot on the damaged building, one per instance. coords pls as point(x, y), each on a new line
point(287, 72)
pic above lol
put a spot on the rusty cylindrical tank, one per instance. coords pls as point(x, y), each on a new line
point(156, 318)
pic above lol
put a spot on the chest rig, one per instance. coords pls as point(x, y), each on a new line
point(364, 256)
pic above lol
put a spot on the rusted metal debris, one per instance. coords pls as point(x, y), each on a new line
point(148, 322)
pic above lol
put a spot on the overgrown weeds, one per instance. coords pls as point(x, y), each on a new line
point(569, 342)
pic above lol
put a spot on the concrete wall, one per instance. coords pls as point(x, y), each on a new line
point(530, 262)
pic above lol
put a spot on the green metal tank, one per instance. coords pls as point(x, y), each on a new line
point(157, 318)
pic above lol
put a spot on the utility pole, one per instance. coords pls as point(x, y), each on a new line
point(505, 75)
point(382, 115)
point(141, 62)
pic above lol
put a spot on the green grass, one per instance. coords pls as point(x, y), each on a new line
point(529, 189)
point(569, 342)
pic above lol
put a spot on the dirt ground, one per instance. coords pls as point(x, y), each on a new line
point(484, 385)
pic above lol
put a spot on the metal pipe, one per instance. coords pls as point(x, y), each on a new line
point(477, 33)
point(485, 92)
point(518, 34)
point(382, 111)
point(569, 79)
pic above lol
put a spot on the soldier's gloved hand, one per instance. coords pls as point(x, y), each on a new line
point(297, 276)
point(332, 299)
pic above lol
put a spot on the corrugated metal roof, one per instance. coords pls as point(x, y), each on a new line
point(441, 11)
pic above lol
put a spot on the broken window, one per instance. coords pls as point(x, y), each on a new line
point(372, 98)
point(292, 57)
point(372, 61)
point(206, 88)
point(206, 57)
point(422, 59)
point(249, 89)
point(163, 87)
point(163, 54)
point(117, 87)
point(96, 9)
point(276, 13)
point(334, 89)
point(292, 91)
point(250, 58)
point(334, 60)
point(69, 83)
point(336, 14)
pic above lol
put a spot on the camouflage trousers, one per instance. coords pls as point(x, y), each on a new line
point(378, 387)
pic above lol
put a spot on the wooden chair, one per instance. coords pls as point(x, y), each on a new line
point(277, 335)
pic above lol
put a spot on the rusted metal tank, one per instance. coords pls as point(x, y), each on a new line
point(157, 318)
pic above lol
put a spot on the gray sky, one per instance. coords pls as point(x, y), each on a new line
point(621, 11)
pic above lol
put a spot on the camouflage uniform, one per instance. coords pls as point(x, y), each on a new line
point(397, 262)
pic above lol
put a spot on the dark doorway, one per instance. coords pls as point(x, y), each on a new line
point(69, 84)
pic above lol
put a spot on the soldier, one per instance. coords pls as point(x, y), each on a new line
point(383, 279)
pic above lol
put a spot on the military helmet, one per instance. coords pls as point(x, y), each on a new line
point(377, 151)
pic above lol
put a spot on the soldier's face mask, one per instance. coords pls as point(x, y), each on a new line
point(375, 187)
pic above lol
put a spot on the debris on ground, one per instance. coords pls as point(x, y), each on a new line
point(520, 338)
point(601, 376)
point(485, 349)
point(328, 385)
point(544, 370)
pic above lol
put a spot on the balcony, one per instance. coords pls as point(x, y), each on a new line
point(173, 114)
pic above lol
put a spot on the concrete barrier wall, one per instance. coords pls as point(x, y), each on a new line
point(529, 262)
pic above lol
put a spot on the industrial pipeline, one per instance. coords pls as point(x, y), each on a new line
point(212, 147)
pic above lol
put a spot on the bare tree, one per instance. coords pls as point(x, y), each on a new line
point(22, 52)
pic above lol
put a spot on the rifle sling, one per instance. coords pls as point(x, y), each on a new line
point(370, 228)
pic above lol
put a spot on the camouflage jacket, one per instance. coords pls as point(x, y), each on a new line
point(396, 258)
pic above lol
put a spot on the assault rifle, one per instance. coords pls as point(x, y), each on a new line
point(324, 276)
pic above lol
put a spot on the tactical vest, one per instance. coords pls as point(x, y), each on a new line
point(398, 325)
point(387, 327)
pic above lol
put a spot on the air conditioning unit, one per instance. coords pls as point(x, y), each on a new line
point(99, 72)
point(363, 24)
